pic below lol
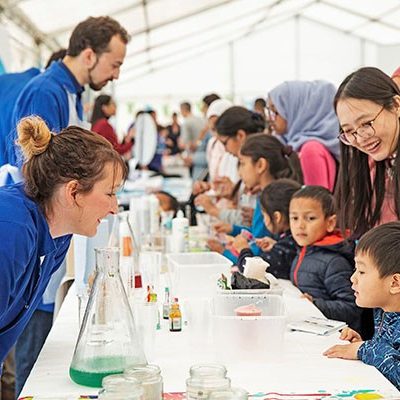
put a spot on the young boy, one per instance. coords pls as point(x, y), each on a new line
point(323, 267)
point(376, 283)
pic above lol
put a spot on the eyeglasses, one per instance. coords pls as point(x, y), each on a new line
point(365, 131)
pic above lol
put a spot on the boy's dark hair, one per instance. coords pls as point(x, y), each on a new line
point(382, 244)
point(186, 106)
point(95, 33)
point(260, 102)
point(276, 197)
point(320, 194)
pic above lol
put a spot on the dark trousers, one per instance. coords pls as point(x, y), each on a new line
point(29, 344)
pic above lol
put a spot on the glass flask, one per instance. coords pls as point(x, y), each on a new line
point(117, 387)
point(151, 379)
point(205, 379)
point(122, 236)
point(107, 343)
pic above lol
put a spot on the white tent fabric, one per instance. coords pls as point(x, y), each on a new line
point(184, 49)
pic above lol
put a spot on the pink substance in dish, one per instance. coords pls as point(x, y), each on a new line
point(248, 311)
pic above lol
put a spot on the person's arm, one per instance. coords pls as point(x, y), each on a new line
point(384, 355)
point(104, 128)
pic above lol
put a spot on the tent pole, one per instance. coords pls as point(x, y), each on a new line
point(232, 70)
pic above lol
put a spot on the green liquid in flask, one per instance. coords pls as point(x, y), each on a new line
point(91, 372)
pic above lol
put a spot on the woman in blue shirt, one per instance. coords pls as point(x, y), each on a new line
point(70, 182)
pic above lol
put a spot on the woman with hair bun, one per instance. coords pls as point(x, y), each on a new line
point(70, 182)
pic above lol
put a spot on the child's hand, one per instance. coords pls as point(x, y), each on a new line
point(200, 187)
point(347, 351)
point(308, 296)
point(266, 243)
point(222, 227)
point(350, 334)
point(206, 202)
point(215, 245)
point(240, 243)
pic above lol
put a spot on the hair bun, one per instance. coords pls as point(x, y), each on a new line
point(33, 136)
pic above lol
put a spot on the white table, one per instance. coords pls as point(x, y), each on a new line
point(302, 369)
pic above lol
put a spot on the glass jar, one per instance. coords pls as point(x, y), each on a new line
point(151, 379)
point(204, 379)
point(117, 387)
point(229, 394)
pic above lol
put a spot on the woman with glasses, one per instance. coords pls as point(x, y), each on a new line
point(302, 114)
point(367, 104)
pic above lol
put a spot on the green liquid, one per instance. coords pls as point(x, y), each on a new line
point(91, 372)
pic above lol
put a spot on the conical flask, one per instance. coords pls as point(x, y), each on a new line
point(107, 342)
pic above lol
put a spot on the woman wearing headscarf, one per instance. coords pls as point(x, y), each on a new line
point(302, 114)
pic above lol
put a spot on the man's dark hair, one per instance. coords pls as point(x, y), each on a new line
point(95, 33)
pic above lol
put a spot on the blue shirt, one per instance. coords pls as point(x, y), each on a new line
point(53, 96)
point(11, 85)
point(383, 350)
point(257, 229)
point(29, 256)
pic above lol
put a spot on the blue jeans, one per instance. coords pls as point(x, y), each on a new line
point(29, 344)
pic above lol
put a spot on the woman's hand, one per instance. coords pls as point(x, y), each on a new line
point(266, 243)
point(215, 245)
point(223, 227)
point(240, 243)
point(347, 351)
point(350, 334)
point(206, 202)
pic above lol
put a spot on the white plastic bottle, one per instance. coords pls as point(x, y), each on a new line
point(154, 212)
point(180, 233)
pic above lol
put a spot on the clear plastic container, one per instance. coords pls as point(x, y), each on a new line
point(248, 338)
point(117, 387)
point(204, 379)
point(107, 343)
point(196, 274)
point(151, 379)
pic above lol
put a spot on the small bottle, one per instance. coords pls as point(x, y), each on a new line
point(175, 317)
point(205, 379)
point(167, 304)
point(180, 233)
point(151, 379)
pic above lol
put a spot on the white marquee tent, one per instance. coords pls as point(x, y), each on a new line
point(184, 49)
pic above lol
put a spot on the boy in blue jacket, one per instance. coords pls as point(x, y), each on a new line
point(324, 265)
point(376, 283)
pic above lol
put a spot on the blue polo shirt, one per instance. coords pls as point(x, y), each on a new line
point(29, 256)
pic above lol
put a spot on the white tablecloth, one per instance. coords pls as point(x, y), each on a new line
point(301, 369)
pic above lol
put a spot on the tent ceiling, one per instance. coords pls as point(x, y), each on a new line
point(170, 32)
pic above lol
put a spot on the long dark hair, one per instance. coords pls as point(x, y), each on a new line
point(98, 113)
point(235, 118)
point(283, 161)
point(360, 194)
